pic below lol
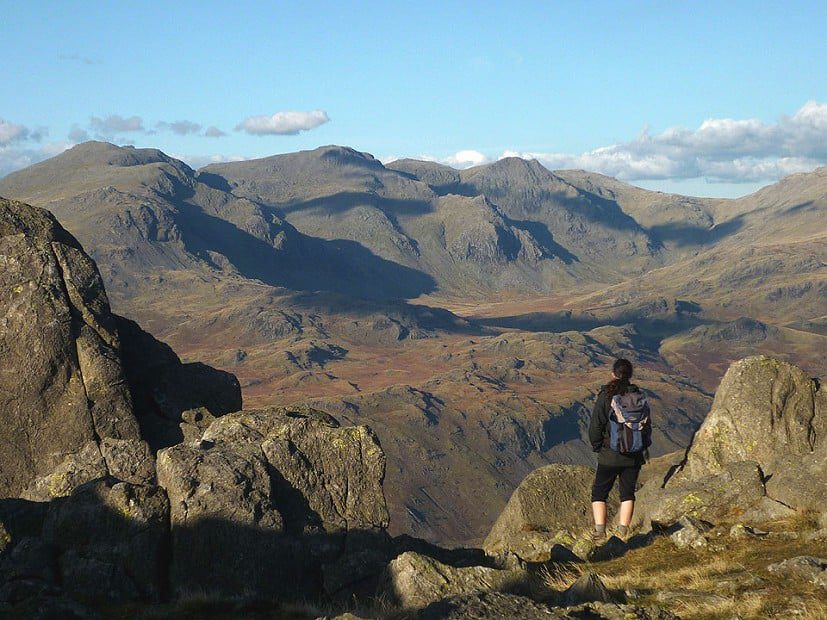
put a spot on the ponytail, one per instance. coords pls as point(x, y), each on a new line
point(622, 370)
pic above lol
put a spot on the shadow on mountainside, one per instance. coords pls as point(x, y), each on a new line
point(541, 233)
point(406, 316)
point(591, 207)
point(564, 321)
point(683, 234)
point(304, 263)
point(342, 202)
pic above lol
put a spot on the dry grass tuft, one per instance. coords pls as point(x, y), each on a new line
point(558, 577)
point(747, 606)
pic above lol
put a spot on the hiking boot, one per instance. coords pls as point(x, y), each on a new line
point(596, 537)
point(621, 532)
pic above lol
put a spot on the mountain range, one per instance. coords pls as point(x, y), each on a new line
point(467, 315)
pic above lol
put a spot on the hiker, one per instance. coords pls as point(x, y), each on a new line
point(620, 432)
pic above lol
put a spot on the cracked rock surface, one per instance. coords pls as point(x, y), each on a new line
point(62, 387)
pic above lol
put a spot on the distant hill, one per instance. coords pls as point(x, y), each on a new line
point(140, 210)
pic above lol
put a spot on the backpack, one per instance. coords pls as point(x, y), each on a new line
point(630, 425)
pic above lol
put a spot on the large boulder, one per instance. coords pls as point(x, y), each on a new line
point(416, 580)
point(552, 505)
point(772, 413)
point(325, 476)
point(273, 496)
point(724, 497)
point(761, 451)
point(62, 386)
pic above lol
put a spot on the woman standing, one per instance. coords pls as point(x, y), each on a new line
point(620, 432)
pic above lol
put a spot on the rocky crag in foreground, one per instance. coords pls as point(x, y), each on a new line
point(130, 479)
point(121, 479)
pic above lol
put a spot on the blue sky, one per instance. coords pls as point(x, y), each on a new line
point(701, 98)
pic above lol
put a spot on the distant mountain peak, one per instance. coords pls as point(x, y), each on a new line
point(95, 151)
point(342, 151)
point(512, 169)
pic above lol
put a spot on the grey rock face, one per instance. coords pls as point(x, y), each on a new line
point(588, 588)
point(498, 605)
point(760, 453)
point(805, 567)
point(550, 506)
point(62, 387)
point(690, 534)
point(489, 606)
point(325, 476)
point(194, 422)
point(272, 496)
point(769, 412)
point(718, 498)
point(417, 580)
point(221, 515)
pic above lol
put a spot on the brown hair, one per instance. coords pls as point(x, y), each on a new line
point(622, 369)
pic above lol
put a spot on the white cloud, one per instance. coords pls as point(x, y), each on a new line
point(114, 123)
point(214, 132)
point(15, 158)
point(283, 123)
point(461, 159)
point(78, 134)
point(720, 150)
point(182, 128)
point(12, 132)
point(466, 159)
point(199, 161)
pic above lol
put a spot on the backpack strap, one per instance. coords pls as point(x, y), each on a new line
point(617, 409)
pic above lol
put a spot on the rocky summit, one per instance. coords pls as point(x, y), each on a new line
point(116, 497)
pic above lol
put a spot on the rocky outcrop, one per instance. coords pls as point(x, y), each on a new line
point(769, 412)
point(760, 454)
point(589, 588)
point(417, 580)
point(81, 388)
point(286, 502)
point(549, 507)
point(327, 477)
point(106, 541)
point(497, 605)
point(62, 385)
point(272, 492)
point(690, 533)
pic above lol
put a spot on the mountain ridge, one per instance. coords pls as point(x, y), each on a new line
point(468, 316)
